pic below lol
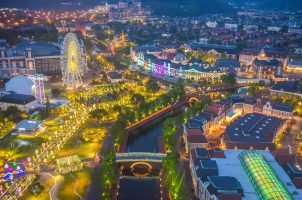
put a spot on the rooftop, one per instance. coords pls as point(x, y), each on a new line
point(231, 166)
point(253, 128)
point(114, 75)
point(20, 99)
point(227, 63)
point(263, 177)
point(225, 183)
point(28, 124)
point(283, 107)
point(197, 138)
point(288, 86)
point(267, 63)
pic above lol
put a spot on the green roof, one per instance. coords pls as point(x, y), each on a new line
point(264, 179)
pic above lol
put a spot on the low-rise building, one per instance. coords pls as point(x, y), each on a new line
point(294, 66)
point(288, 88)
point(27, 127)
point(252, 131)
point(246, 175)
point(247, 56)
point(267, 69)
point(115, 77)
point(23, 102)
point(228, 66)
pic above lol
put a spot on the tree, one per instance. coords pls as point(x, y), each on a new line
point(138, 99)
point(98, 114)
point(229, 79)
point(56, 92)
point(152, 86)
point(179, 89)
point(252, 90)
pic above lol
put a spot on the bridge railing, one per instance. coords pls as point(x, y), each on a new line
point(139, 156)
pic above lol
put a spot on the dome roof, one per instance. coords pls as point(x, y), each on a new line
point(20, 85)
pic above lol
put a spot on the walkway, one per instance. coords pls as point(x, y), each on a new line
point(139, 156)
point(156, 115)
point(75, 187)
point(53, 193)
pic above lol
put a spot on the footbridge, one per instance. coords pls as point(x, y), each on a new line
point(140, 157)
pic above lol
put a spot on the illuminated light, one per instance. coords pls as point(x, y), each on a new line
point(262, 176)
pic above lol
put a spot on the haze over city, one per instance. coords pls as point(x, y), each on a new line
point(151, 100)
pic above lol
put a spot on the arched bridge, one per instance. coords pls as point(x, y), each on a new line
point(140, 156)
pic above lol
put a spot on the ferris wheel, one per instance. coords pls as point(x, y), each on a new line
point(71, 63)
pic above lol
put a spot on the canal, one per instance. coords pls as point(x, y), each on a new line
point(144, 187)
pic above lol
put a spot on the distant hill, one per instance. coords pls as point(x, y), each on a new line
point(188, 7)
point(276, 5)
point(160, 7)
point(48, 4)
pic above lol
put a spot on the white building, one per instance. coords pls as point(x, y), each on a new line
point(231, 26)
point(20, 85)
point(211, 24)
point(274, 28)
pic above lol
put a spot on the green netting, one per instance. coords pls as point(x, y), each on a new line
point(264, 179)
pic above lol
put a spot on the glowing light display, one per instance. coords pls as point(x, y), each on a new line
point(167, 70)
point(264, 179)
point(71, 63)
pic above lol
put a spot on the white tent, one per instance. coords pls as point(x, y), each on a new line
point(20, 85)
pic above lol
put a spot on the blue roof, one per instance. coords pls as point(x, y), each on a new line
point(253, 128)
point(283, 107)
point(224, 183)
point(267, 63)
point(28, 124)
point(37, 48)
point(223, 63)
point(219, 48)
point(288, 86)
point(202, 153)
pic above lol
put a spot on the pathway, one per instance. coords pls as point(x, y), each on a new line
point(53, 192)
point(75, 187)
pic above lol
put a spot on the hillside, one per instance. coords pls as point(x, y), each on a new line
point(279, 5)
point(188, 7)
point(159, 7)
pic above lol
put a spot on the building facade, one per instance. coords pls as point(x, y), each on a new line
point(32, 57)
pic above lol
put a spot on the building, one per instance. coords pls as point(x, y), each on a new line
point(252, 131)
point(231, 26)
point(263, 106)
point(294, 66)
point(20, 85)
point(247, 56)
point(288, 88)
point(267, 69)
point(229, 66)
point(247, 175)
point(23, 102)
point(27, 127)
point(169, 69)
point(195, 139)
point(211, 24)
point(33, 57)
point(225, 51)
point(297, 31)
point(115, 77)
point(274, 28)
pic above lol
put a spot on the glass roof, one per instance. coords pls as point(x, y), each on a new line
point(264, 179)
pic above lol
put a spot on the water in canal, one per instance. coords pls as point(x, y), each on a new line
point(146, 140)
point(142, 188)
